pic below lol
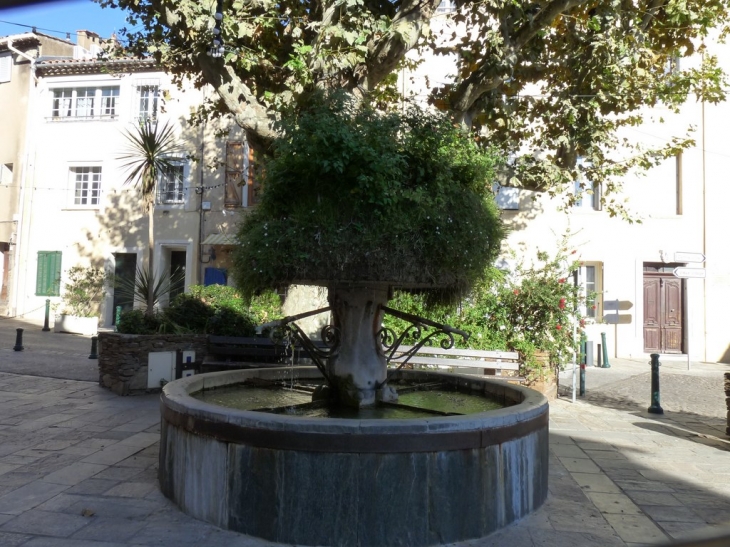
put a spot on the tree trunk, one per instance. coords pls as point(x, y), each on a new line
point(150, 262)
point(359, 372)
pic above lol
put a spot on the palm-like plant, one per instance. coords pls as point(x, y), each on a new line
point(150, 155)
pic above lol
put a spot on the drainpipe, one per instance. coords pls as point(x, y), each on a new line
point(24, 177)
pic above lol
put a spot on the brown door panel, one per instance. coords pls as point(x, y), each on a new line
point(652, 339)
point(672, 340)
point(662, 314)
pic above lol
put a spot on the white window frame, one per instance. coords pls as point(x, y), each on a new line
point(147, 108)
point(182, 182)
point(85, 102)
point(588, 193)
point(90, 194)
point(6, 67)
point(595, 269)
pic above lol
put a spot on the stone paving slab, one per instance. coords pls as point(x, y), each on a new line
point(78, 464)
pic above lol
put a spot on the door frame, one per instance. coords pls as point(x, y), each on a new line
point(110, 262)
point(666, 273)
point(162, 260)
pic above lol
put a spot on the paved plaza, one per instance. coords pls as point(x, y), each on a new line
point(78, 464)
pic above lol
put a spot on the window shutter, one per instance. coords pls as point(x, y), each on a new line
point(48, 279)
point(6, 67)
point(234, 173)
point(254, 180)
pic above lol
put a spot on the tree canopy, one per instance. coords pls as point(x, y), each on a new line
point(548, 82)
point(357, 196)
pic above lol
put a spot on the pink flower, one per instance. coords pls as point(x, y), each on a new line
point(516, 291)
point(558, 326)
point(562, 303)
point(561, 280)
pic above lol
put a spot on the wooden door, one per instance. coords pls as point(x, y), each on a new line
point(662, 314)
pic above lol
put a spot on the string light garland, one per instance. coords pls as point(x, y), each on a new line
point(217, 50)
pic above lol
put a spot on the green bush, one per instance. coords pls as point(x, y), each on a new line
point(230, 322)
point(531, 310)
point(136, 322)
point(356, 195)
point(215, 309)
point(188, 313)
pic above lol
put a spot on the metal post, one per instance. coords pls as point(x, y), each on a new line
point(599, 355)
point(18, 340)
point(655, 407)
point(94, 342)
point(606, 364)
point(48, 312)
point(117, 317)
point(582, 388)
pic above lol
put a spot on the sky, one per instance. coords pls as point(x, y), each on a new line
point(58, 17)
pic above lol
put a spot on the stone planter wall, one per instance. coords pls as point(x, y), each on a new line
point(123, 357)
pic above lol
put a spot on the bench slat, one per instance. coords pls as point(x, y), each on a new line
point(503, 365)
point(430, 350)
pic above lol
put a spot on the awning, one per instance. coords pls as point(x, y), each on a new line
point(219, 239)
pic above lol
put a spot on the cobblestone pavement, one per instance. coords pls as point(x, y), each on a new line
point(78, 464)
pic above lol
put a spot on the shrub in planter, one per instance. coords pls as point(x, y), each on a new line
point(229, 322)
point(137, 322)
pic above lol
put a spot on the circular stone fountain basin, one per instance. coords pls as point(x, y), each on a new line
point(332, 481)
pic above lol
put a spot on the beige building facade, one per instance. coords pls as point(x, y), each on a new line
point(641, 306)
point(77, 209)
point(18, 57)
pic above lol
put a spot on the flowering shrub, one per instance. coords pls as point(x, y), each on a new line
point(533, 309)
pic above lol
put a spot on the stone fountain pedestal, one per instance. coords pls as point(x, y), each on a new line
point(324, 481)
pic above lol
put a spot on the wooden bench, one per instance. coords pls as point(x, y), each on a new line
point(469, 361)
point(234, 352)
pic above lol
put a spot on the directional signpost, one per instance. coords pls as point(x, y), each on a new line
point(689, 273)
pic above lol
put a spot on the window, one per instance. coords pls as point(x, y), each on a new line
point(446, 6)
point(86, 186)
point(148, 100)
point(109, 100)
point(589, 278)
point(86, 103)
point(588, 194)
point(171, 186)
point(48, 275)
point(6, 67)
point(242, 185)
point(235, 154)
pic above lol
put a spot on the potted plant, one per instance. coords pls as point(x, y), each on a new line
point(80, 302)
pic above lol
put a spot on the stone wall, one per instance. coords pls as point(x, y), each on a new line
point(123, 357)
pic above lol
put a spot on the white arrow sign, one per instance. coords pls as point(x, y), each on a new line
point(685, 273)
point(689, 257)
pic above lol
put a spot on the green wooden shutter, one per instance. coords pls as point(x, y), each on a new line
point(48, 279)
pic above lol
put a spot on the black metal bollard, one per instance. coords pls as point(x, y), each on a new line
point(582, 391)
point(18, 340)
point(655, 407)
point(48, 312)
point(94, 342)
point(117, 317)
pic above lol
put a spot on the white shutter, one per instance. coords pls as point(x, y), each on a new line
point(6, 66)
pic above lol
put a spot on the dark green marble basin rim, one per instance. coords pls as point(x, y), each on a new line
point(528, 413)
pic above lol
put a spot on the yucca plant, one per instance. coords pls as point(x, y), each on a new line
point(150, 155)
point(146, 285)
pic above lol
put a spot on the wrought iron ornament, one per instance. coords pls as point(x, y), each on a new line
point(391, 341)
